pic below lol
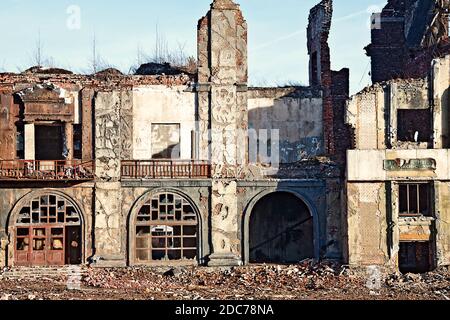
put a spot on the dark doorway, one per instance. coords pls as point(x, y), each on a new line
point(415, 257)
point(49, 142)
point(281, 230)
point(73, 245)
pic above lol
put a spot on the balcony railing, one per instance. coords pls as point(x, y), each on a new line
point(76, 170)
point(154, 169)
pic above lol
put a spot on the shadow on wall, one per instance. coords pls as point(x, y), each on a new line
point(298, 123)
point(445, 101)
point(171, 152)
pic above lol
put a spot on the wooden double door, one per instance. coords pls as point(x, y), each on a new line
point(47, 245)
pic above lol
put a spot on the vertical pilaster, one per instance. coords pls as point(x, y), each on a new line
point(222, 115)
point(68, 136)
point(108, 222)
point(30, 153)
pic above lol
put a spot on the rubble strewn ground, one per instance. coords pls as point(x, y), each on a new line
point(326, 281)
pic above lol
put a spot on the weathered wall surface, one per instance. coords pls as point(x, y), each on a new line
point(442, 223)
point(367, 224)
point(8, 118)
point(83, 196)
point(373, 113)
point(436, 166)
point(222, 50)
point(299, 121)
point(112, 137)
point(162, 105)
point(441, 84)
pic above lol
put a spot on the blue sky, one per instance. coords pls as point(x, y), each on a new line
point(277, 34)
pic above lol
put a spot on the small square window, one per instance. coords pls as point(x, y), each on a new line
point(414, 199)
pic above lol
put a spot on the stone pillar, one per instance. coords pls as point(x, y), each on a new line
point(68, 139)
point(87, 96)
point(29, 145)
point(222, 41)
point(109, 225)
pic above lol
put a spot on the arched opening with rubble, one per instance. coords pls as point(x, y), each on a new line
point(281, 230)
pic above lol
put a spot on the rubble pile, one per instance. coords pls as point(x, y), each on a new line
point(307, 280)
point(267, 277)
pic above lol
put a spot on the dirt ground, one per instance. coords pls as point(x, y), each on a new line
point(297, 282)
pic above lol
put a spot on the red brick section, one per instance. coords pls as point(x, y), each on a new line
point(318, 32)
point(342, 133)
point(419, 66)
point(392, 55)
point(334, 84)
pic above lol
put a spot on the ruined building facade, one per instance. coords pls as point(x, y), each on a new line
point(116, 170)
point(398, 171)
point(165, 167)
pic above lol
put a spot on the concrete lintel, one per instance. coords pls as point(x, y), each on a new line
point(224, 260)
point(281, 182)
point(166, 183)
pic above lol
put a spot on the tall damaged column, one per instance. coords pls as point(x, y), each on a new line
point(222, 115)
point(320, 66)
point(109, 224)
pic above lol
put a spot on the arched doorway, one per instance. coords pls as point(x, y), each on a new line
point(48, 232)
point(280, 230)
point(165, 228)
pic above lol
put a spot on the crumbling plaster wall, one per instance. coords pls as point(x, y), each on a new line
point(440, 97)
point(222, 107)
point(367, 224)
point(373, 113)
point(113, 135)
point(82, 195)
point(162, 105)
point(299, 121)
point(442, 224)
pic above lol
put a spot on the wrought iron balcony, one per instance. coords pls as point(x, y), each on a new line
point(156, 169)
point(47, 170)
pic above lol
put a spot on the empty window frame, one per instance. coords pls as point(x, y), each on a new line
point(414, 199)
point(414, 125)
point(77, 141)
point(166, 229)
point(166, 141)
point(20, 141)
point(48, 209)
